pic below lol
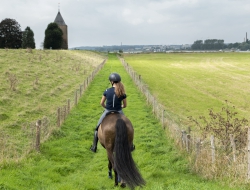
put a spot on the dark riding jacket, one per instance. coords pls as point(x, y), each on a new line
point(112, 100)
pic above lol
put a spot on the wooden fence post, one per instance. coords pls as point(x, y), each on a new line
point(68, 110)
point(64, 112)
point(80, 90)
point(76, 98)
point(233, 147)
point(212, 148)
point(188, 142)
point(163, 124)
point(84, 85)
point(38, 127)
point(183, 138)
point(58, 117)
point(198, 147)
point(248, 153)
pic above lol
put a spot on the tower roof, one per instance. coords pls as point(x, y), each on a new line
point(59, 19)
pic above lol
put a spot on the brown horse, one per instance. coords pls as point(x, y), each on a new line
point(116, 135)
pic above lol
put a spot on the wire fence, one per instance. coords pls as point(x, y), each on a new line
point(32, 134)
point(207, 156)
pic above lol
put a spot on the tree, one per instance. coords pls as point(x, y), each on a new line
point(244, 46)
point(197, 45)
point(10, 34)
point(53, 37)
point(233, 45)
point(236, 45)
point(209, 44)
point(213, 44)
point(28, 38)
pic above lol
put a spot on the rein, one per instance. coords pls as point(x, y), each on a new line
point(94, 116)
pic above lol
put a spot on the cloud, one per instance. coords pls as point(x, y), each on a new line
point(109, 22)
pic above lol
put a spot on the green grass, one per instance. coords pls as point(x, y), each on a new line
point(188, 84)
point(46, 79)
point(65, 161)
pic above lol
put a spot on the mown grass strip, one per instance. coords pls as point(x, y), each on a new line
point(65, 161)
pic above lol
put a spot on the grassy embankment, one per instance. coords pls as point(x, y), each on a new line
point(65, 161)
point(33, 85)
point(45, 80)
point(188, 84)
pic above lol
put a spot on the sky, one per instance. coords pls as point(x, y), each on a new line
point(134, 22)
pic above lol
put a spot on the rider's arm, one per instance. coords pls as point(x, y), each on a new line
point(124, 103)
point(103, 101)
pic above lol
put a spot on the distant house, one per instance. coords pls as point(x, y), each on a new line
point(175, 47)
point(59, 20)
point(186, 46)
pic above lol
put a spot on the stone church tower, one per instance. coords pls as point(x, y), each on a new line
point(59, 20)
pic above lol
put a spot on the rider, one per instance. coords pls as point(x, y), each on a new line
point(113, 99)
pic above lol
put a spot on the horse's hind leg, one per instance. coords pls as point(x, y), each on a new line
point(123, 184)
point(111, 164)
point(110, 170)
point(116, 178)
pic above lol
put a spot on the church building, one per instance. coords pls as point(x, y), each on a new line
point(59, 20)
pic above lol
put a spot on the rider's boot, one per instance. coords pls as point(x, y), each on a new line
point(95, 140)
point(132, 147)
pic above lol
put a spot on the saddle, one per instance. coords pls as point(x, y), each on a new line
point(108, 113)
point(111, 111)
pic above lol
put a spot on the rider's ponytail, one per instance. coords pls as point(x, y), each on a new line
point(119, 89)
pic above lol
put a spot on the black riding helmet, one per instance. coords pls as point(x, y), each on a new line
point(114, 77)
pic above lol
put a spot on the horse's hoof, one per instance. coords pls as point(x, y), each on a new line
point(93, 149)
point(123, 185)
point(116, 184)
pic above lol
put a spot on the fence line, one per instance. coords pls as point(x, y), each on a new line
point(207, 156)
point(39, 131)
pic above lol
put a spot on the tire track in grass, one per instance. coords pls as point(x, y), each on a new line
point(65, 161)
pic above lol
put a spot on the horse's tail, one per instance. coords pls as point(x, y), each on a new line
point(124, 163)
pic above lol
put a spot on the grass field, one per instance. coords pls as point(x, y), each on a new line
point(43, 80)
point(65, 161)
point(188, 84)
point(33, 84)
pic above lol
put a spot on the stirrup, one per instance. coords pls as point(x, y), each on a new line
point(132, 148)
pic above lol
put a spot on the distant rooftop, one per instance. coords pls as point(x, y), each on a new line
point(59, 19)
